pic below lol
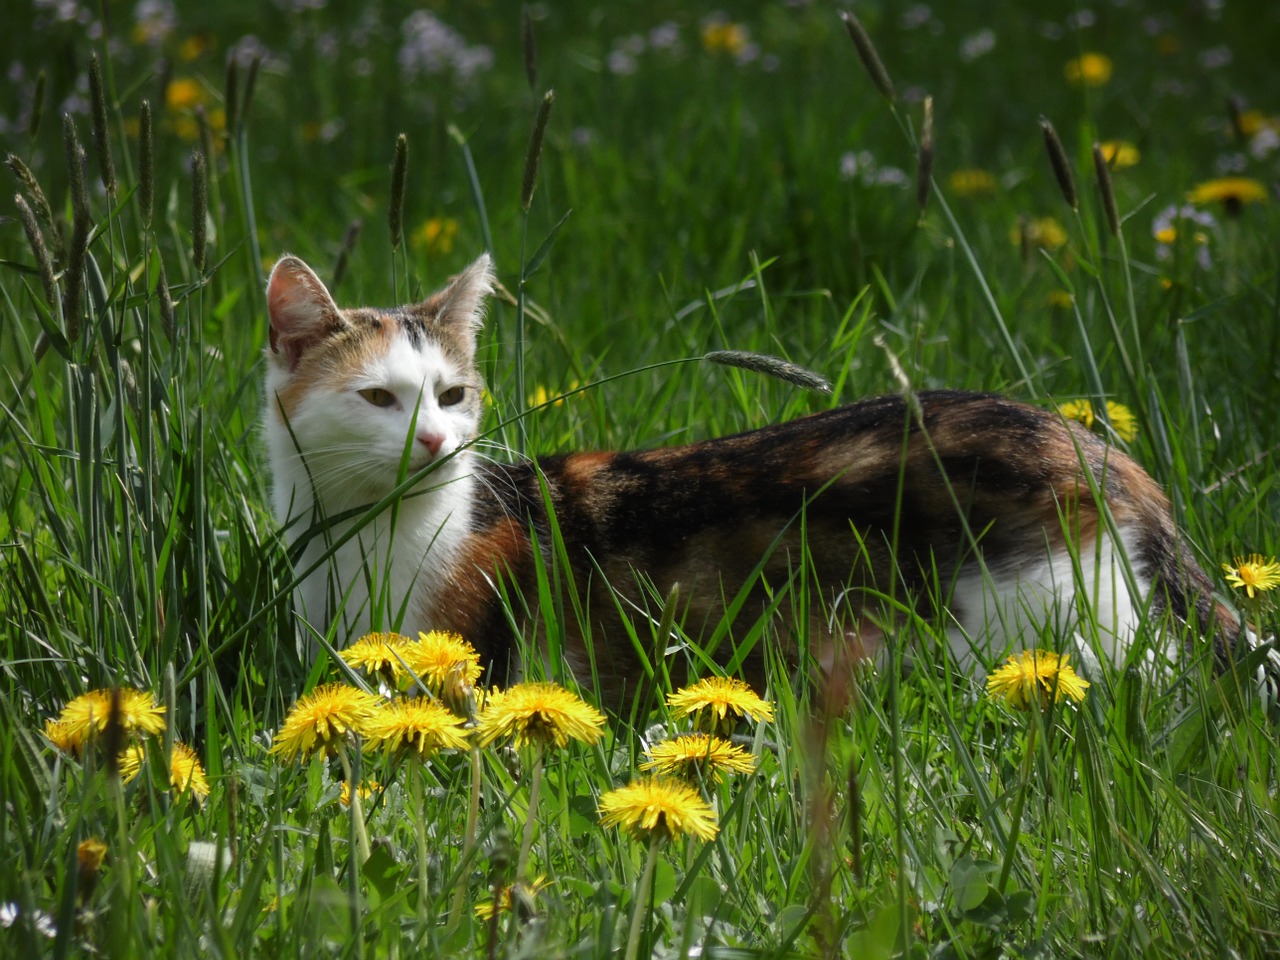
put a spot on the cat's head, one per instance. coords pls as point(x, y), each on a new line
point(353, 392)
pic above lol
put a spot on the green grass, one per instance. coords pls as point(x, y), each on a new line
point(709, 211)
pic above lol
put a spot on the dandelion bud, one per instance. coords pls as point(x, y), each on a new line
point(867, 54)
point(924, 159)
point(1103, 172)
point(89, 857)
point(1061, 167)
point(395, 215)
point(101, 141)
point(37, 106)
point(534, 155)
point(199, 209)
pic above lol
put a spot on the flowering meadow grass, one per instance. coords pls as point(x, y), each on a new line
point(909, 199)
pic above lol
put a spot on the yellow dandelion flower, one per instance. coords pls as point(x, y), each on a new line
point(367, 790)
point(972, 182)
point(192, 47)
point(184, 93)
point(1044, 232)
point(722, 36)
point(420, 725)
point(1088, 70)
point(718, 702)
point(524, 895)
point(87, 715)
point(1121, 418)
point(435, 236)
point(1059, 299)
point(377, 654)
point(1232, 192)
point(185, 771)
point(697, 757)
point(90, 854)
point(440, 659)
point(541, 713)
point(1253, 574)
point(320, 721)
point(651, 809)
point(1036, 675)
point(542, 396)
point(1120, 153)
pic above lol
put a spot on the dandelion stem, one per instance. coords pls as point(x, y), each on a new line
point(469, 838)
point(1015, 816)
point(357, 807)
point(535, 785)
point(416, 772)
point(640, 907)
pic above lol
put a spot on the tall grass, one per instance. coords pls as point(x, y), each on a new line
point(703, 196)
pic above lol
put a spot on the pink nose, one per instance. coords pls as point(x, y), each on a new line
point(432, 441)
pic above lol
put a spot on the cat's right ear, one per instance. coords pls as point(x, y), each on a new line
point(302, 311)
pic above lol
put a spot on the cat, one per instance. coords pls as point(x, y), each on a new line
point(1013, 517)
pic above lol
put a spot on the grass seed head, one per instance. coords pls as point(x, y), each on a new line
point(868, 55)
point(399, 168)
point(101, 139)
point(35, 239)
point(1061, 166)
point(146, 164)
point(37, 106)
point(924, 159)
point(199, 209)
point(1103, 172)
point(533, 157)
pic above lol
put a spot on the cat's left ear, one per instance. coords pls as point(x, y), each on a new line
point(462, 303)
point(301, 309)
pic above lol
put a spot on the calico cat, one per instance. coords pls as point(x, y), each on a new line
point(1011, 516)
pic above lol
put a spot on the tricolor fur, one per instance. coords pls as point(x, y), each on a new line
point(1010, 515)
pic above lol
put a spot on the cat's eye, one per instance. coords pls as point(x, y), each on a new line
point(378, 396)
point(452, 397)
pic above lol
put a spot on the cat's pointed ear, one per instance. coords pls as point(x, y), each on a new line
point(302, 311)
point(462, 302)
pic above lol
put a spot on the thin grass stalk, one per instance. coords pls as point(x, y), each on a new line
point(231, 95)
point(530, 47)
point(101, 138)
point(644, 889)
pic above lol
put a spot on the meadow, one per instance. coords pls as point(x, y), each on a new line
point(708, 179)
